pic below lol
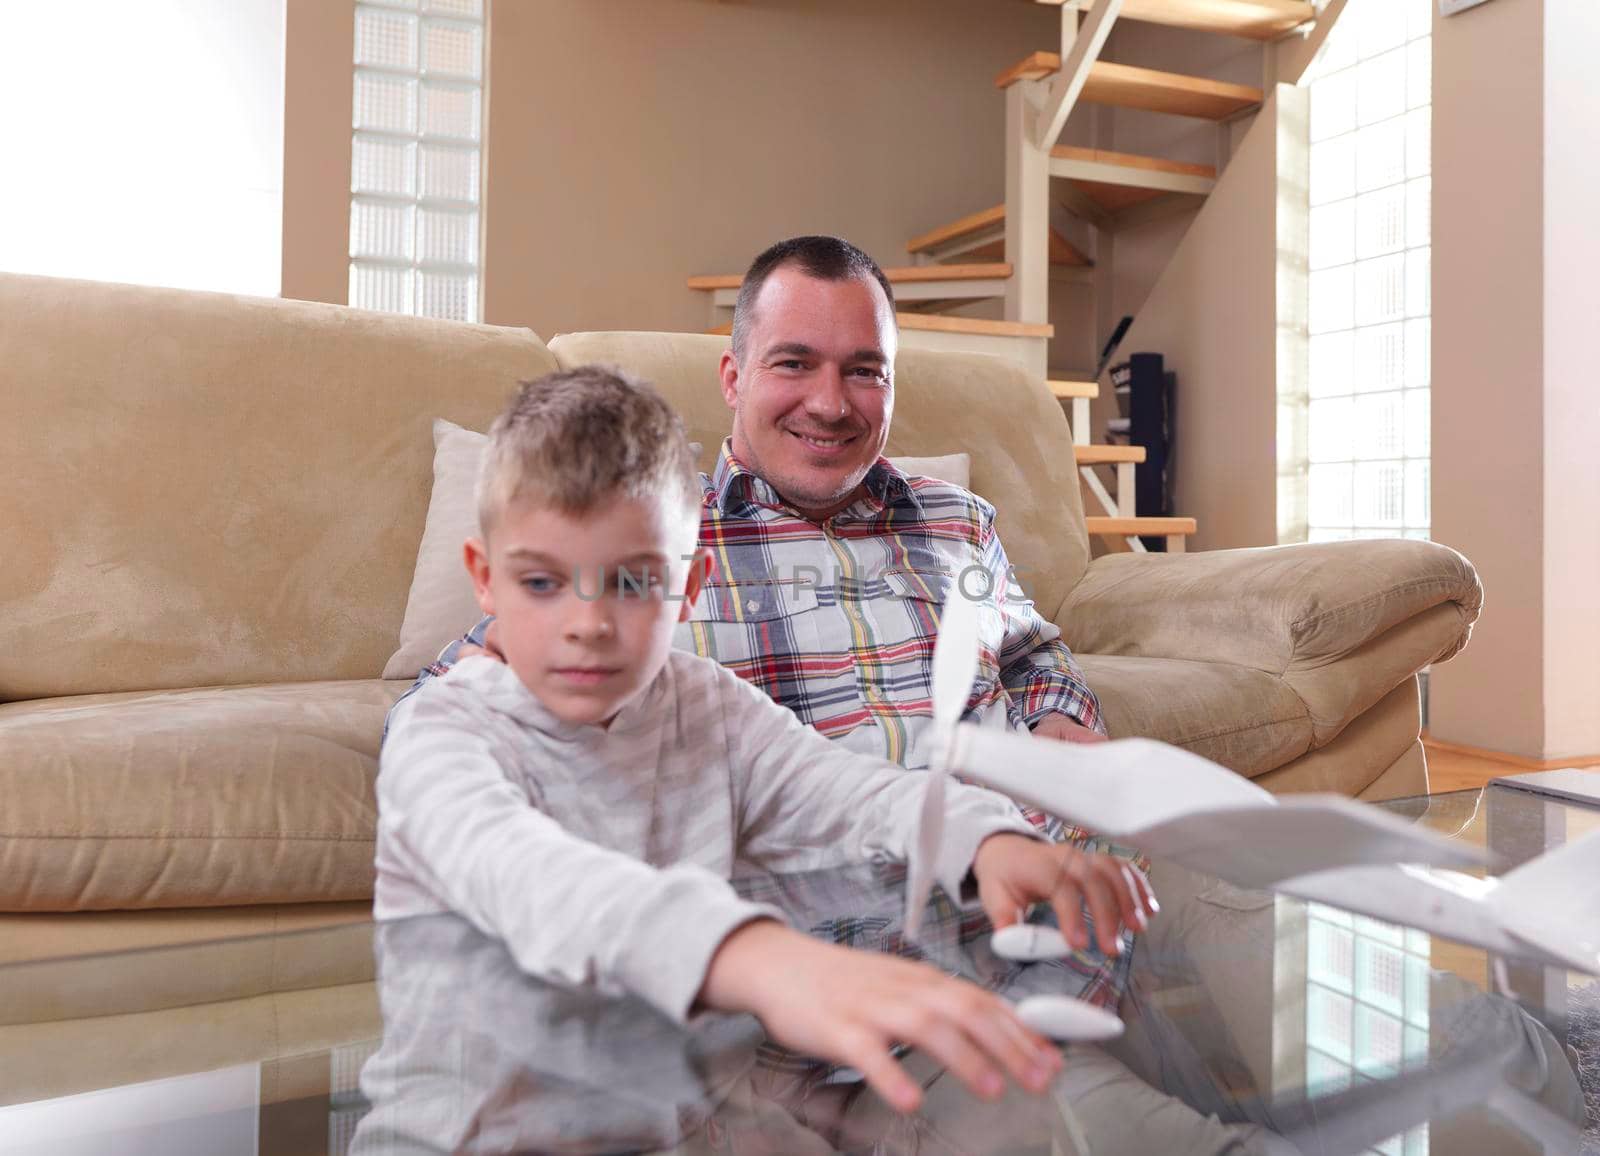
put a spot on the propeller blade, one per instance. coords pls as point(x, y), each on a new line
point(925, 855)
point(955, 661)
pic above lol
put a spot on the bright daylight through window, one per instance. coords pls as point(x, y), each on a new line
point(144, 142)
point(1371, 98)
point(416, 157)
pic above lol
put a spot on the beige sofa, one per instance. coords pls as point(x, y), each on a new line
point(210, 524)
point(213, 511)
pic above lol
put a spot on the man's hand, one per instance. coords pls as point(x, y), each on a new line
point(490, 647)
point(849, 1006)
point(1067, 730)
point(1015, 871)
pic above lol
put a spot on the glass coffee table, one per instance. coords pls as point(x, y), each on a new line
point(1331, 1033)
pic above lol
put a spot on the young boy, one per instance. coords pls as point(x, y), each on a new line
point(587, 801)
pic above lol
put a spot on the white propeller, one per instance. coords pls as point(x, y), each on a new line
point(955, 665)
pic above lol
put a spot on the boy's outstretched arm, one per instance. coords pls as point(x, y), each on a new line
point(848, 1006)
point(809, 803)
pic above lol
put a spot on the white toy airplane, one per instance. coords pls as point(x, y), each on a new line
point(1180, 806)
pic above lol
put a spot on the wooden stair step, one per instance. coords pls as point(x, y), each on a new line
point(973, 325)
point(1126, 527)
point(935, 323)
point(1146, 88)
point(970, 225)
point(1104, 455)
point(1067, 390)
point(1116, 181)
point(1254, 19)
point(903, 275)
point(975, 225)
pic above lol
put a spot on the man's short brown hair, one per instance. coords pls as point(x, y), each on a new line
point(574, 439)
point(822, 257)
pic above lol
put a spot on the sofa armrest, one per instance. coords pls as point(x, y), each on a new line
point(1278, 608)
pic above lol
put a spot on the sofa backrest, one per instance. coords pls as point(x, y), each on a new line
point(945, 403)
point(209, 490)
point(204, 489)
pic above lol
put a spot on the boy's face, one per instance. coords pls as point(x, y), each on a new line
point(582, 644)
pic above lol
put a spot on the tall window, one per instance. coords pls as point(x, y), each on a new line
point(1370, 191)
point(417, 157)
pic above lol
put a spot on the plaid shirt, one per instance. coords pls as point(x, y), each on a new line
point(837, 622)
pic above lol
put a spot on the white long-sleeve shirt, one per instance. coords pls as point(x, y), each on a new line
point(602, 855)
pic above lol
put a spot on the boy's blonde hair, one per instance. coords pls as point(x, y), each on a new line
point(574, 439)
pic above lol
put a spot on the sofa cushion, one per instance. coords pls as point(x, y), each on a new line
point(210, 490)
point(442, 605)
point(1247, 720)
point(186, 798)
point(80, 964)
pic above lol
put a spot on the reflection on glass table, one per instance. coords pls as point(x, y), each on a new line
point(1333, 1033)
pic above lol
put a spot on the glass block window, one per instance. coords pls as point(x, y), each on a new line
point(416, 159)
point(1370, 193)
point(1366, 1007)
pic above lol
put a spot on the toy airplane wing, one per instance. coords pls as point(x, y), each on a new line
point(1261, 846)
point(1113, 788)
point(1552, 903)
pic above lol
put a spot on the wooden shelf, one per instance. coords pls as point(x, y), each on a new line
point(904, 275)
point(1101, 455)
point(1253, 19)
point(1124, 527)
point(1067, 390)
point(936, 323)
point(1125, 86)
point(975, 225)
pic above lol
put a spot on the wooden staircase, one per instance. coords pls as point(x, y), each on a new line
point(1011, 253)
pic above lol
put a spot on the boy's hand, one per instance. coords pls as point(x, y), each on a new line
point(1015, 872)
point(848, 1006)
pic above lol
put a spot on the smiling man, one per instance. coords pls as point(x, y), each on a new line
point(828, 563)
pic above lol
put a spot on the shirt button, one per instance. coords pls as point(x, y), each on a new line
point(752, 605)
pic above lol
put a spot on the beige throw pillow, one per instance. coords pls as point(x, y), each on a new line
point(442, 606)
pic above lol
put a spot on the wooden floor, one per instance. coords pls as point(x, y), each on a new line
point(1452, 769)
point(1456, 771)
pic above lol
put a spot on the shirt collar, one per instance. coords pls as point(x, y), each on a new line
point(733, 484)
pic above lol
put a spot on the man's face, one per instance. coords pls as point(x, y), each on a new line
point(814, 392)
point(581, 636)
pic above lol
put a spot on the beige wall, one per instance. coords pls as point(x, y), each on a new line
point(319, 46)
point(636, 142)
point(1571, 401)
point(1488, 364)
